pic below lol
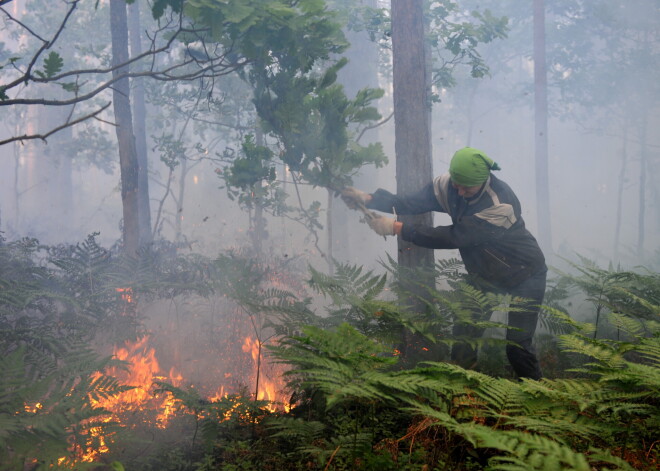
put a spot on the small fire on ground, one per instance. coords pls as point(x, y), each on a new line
point(142, 372)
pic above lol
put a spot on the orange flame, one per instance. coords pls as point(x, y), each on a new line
point(143, 369)
point(126, 294)
point(268, 389)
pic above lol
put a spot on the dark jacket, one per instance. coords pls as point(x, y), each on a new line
point(488, 229)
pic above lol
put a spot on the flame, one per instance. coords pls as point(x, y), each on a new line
point(33, 408)
point(268, 389)
point(143, 369)
point(252, 347)
point(219, 394)
point(126, 294)
point(140, 373)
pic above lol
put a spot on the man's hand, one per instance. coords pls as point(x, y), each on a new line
point(382, 225)
point(354, 197)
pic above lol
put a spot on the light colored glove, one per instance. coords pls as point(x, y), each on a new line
point(354, 197)
point(382, 225)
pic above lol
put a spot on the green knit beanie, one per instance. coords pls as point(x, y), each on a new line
point(471, 167)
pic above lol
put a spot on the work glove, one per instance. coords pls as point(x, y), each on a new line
point(382, 225)
point(354, 197)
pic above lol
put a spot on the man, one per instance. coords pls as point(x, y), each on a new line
point(499, 253)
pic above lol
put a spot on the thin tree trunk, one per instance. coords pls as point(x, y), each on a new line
point(350, 242)
point(619, 199)
point(643, 168)
point(139, 128)
point(330, 231)
point(412, 137)
point(258, 222)
point(17, 194)
point(124, 128)
point(182, 194)
point(541, 128)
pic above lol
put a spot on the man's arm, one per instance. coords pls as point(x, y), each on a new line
point(470, 231)
point(420, 202)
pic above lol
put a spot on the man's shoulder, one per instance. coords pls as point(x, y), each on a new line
point(441, 186)
point(499, 184)
point(502, 188)
point(441, 182)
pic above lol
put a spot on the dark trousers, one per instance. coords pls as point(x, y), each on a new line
point(527, 296)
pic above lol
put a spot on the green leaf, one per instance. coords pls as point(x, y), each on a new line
point(70, 87)
point(52, 65)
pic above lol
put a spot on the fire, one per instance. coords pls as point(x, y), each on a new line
point(267, 389)
point(142, 370)
point(33, 408)
point(140, 373)
point(252, 347)
point(126, 294)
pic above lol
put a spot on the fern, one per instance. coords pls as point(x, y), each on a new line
point(524, 451)
point(532, 424)
point(43, 413)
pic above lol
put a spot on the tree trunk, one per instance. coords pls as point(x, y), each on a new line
point(139, 128)
point(352, 242)
point(179, 201)
point(541, 128)
point(412, 108)
point(46, 191)
point(329, 218)
point(619, 199)
point(643, 169)
point(411, 117)
point(124, 128)
point(258, 223)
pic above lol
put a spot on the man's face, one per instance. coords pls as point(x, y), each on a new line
point(466, 191)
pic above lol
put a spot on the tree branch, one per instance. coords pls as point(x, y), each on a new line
point(212, 66)
point(46, 44)
point(380, 123)
point(43, 137)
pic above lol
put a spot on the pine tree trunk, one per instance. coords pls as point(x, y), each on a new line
point(259, 222)
point(412, 108)
point(411, 117)
point(179, 201)
point(352, 241)
point(329, 218)
point(643, 170)
point(541, 128)
point(124, 128)
point(139, 128)
point(619, 200)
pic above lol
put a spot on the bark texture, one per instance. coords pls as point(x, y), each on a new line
point(140, 127)
point(412, 119)
point(124, 127)
point(541, 129)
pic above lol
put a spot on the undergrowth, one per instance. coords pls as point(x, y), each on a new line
point(354, 403)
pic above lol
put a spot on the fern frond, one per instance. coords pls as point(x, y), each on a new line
point(592, 348)
point(536, 451)
point(649, 349)
point(299, 430)
point(42, 414)
point(633, 327)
